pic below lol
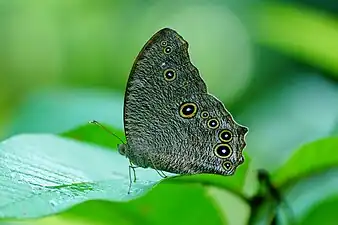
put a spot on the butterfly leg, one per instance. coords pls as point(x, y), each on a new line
point(160, 172)
point(134, 172)
point(131, 167)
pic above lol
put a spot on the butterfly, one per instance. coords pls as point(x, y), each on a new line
point(171, 122)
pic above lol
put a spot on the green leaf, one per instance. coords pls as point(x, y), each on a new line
point(92, 133)
point(53, 173)
point(289, 28)
point(181, 201)
point(324, 212)
point(235, 209)
point(310, 159)
point(159, 207)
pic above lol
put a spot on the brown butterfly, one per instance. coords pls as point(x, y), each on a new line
point(171, 122)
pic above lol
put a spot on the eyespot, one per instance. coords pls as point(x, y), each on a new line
point(204, 114)
point(227, 165)
point(169, 75)
point(225, 135)
point(163, 43)
point(213, 123)
point(167, 50)
point(223, 151)
point(188, 110)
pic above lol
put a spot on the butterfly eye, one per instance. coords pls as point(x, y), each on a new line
point(227, 165)
point(204, 114)
point(225, 135)
point(188, 110)
point(169, 75)
point(163, 43)
point(167, 50)
point(223, 151)
point(213, 123)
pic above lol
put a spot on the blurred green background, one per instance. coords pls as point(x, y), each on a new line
point(274, 64)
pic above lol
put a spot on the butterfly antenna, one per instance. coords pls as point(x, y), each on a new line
point(104, 128)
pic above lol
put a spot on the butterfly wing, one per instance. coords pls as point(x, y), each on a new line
point(163, 113)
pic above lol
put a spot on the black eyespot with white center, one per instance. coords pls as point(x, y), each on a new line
point(188, 110)
point(204, 114)
point(225, 135)
point(223, 151)
point(227, 165)
point(167, 50)
point(169, 75)
point(213, 123)
point(163, 43)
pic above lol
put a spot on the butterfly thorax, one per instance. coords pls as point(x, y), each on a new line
point(138, 160)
